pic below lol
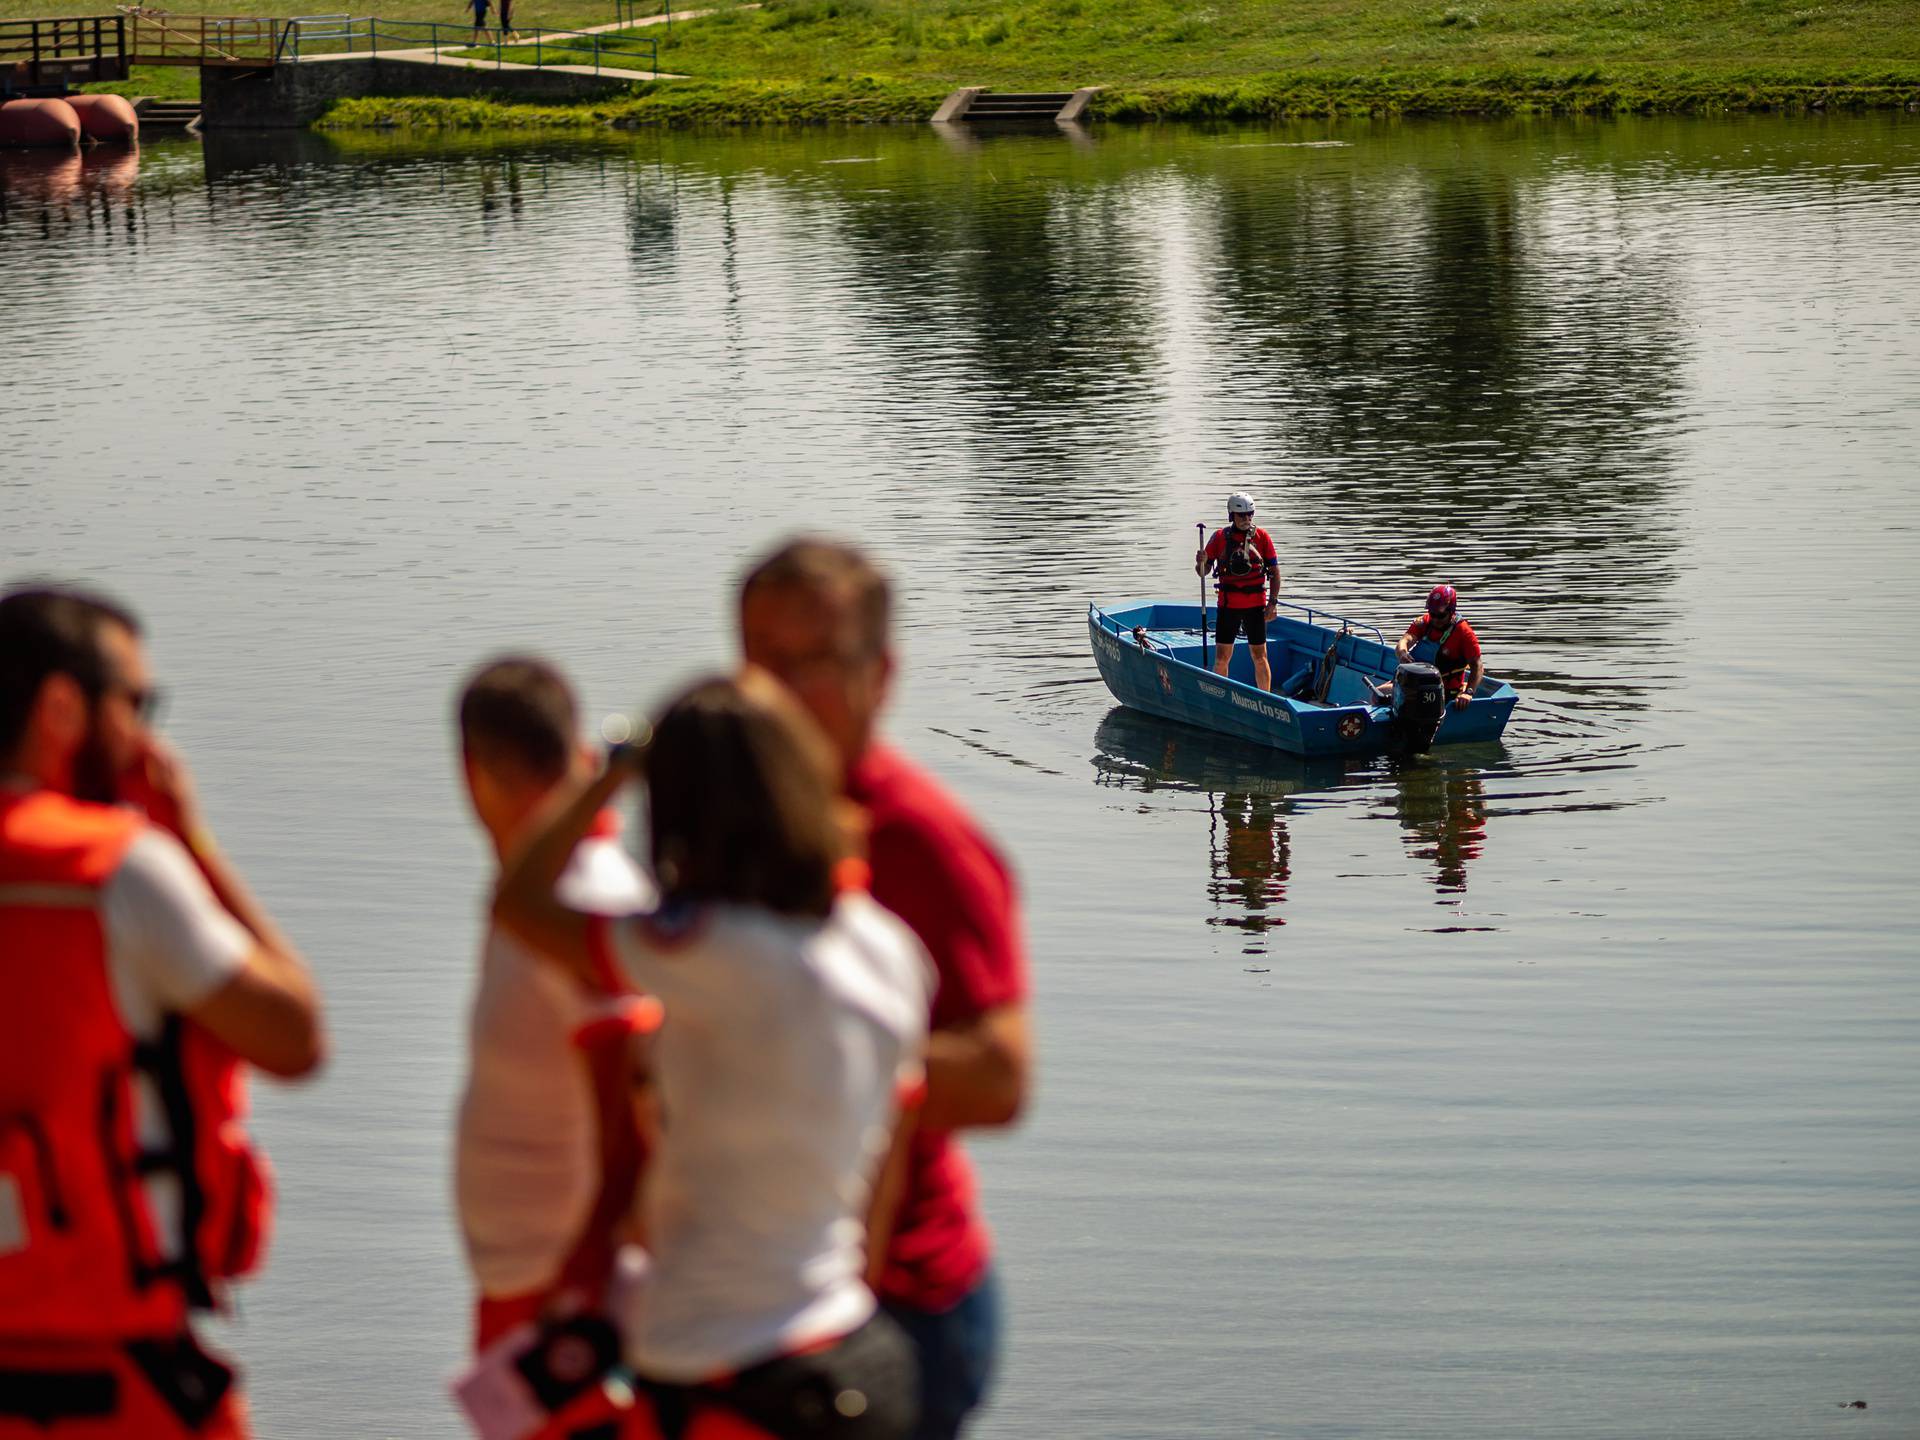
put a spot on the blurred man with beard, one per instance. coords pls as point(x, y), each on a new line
point(138, 978)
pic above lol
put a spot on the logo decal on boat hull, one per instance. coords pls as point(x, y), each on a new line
point(1352, 726)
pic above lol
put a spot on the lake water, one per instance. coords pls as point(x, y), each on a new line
point(1564, 1087)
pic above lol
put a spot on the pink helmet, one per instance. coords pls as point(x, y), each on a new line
point(1442, 600)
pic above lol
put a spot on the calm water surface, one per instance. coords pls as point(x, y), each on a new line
point(1564, 1087)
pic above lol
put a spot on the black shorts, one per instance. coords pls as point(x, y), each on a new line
point(1251, 622)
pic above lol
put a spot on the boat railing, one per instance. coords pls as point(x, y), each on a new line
point(1315, 616)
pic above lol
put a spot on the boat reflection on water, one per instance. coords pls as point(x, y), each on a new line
point(1438, 799)
point(1443, 808)
point(1252, 853)
point(1248, 789)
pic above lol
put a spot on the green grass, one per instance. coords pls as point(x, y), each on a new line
point(877, 59)
point(1150, 43)
point(1245, 59)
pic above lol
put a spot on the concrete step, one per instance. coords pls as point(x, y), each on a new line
point(166, 114)
point(974, 105)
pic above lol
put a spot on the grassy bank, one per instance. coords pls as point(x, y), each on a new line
point(1178, 59)
point(1274, 97)
point(1249, 59)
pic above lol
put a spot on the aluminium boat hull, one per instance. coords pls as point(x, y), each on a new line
point(1149, 654)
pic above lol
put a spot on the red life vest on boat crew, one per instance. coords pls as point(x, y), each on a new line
point(80, 1258)
point(1239, 559)
point(1456, 647)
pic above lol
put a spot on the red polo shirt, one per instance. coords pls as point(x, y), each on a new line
point(934, 868)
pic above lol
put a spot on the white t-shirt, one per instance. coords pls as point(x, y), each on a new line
point(527, 1160)
point(785, 1043)
point(170, 945)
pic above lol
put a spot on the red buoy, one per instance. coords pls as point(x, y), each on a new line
point(106, 117)
point(38, 122)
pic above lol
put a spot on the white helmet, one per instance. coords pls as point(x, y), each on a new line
point(1239, 503)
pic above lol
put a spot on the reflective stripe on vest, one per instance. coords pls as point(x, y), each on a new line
point(49, 897)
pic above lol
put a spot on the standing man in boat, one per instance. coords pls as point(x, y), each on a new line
point(1247, 580)
point(138, 979)
point(548, 1154)
point(1456, 648)
point(817, 615)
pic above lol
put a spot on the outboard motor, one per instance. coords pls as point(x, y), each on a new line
point(1419, 705)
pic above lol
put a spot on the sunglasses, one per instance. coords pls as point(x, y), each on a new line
point(147, 701)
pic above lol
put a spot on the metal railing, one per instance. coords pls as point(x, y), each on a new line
point(310, 37)
point(628, 11)
point(1344, 623)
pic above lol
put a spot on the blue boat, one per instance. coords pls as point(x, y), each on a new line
point(1149, 653)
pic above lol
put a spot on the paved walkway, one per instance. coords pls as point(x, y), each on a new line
point(447, 54)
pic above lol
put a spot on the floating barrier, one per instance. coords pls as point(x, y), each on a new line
point(106, 117)
point(39, 122)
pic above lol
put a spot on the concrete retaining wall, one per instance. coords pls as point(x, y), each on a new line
point(295, 95)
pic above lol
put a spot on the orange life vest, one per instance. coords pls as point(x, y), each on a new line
point(79, 1253)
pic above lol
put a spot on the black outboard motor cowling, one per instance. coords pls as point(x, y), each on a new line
point(1419, 705)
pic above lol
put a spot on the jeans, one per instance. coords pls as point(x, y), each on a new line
point(957, 1351)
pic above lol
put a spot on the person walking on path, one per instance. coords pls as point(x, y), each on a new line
point(548, 1152)
point(817, 614)
point(479, 9)
point(138, 977)
point(506, 18)
point(796, 1016)
point(1247, 582)
point(1456, 649)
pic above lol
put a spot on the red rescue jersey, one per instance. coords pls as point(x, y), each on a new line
point(1459, 648)
point(932, 866)
point(1241, 581)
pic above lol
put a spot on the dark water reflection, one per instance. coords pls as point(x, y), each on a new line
point(1559, 1088)
point(1439, 801)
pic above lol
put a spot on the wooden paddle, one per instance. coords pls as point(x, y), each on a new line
point(1201, 526)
